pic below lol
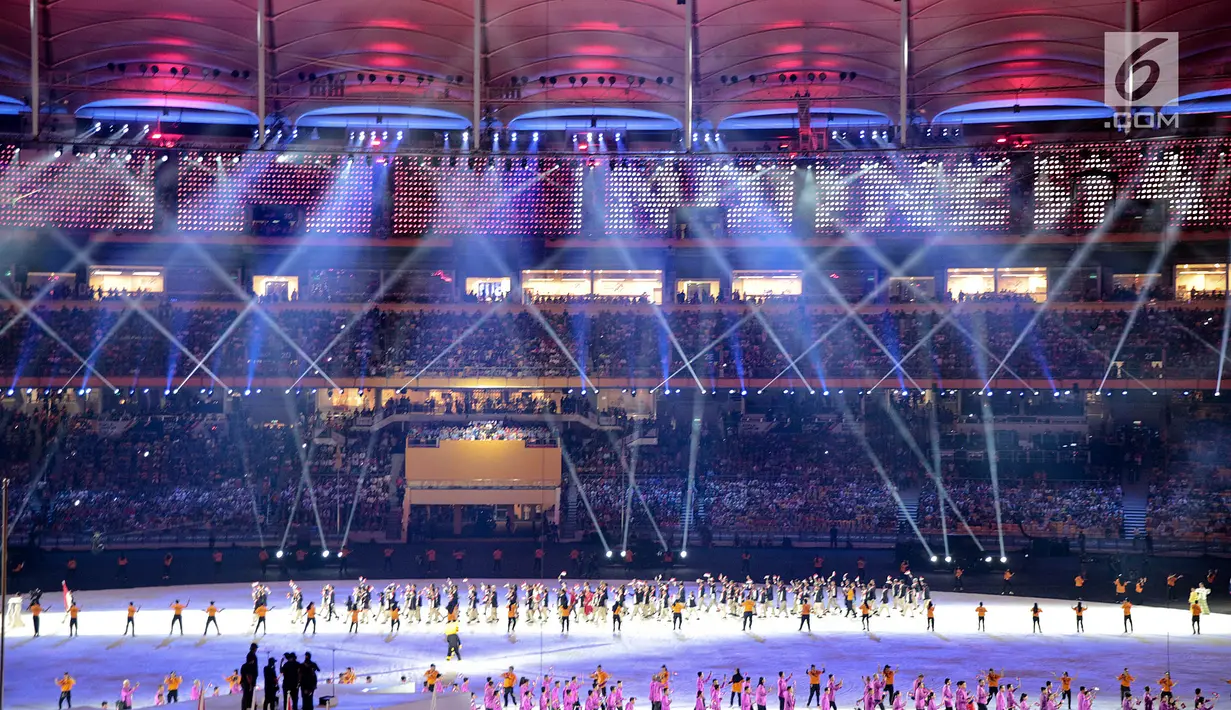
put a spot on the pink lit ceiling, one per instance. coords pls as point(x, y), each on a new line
point(421, 52)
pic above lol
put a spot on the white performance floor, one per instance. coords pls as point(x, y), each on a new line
point(100, 659)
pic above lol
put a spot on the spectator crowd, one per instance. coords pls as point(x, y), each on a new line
point(1064, 344)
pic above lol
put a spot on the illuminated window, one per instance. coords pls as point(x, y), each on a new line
point(126, 279)
point(279, 288)
point(486, 288)
point(37, 281)
point(964, 282)
point(1028, 281)
point(912, 289)
point(698, 291)
point(1200, 280)
point(556, 284)
point(1135, 283)
point(761, 284)
point(630, 284)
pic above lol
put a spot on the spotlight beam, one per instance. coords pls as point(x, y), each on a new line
point(29, 313)
point(723, 262)
point(630, 264)
point(363, 474)
point(949, 318)
point(1078, 258)
point(883, 261)
point(838, 298)
point(631, 474)
point(212, 265)
point(305, 463)
point(1156, 264)
point(56, 444)
point(456, 341)
point(1226, 331)
point(935, 472)
point(572, 472)
point(989, 436)
point(174, 341)
point(119, 322)
point(851, 311)
point(372, 303)
point(872, 296)
point(675, 343)
point(551, 332)
point(713, 344)
point(1106, 356)
point(932, 470)
point(1195, 336)
point(694, 443)
point(650, 514)
point(79, 256)
point(880, 470)
point(634, 487)
point(246, 462)
point(530, 306)
point(226, 333)
point(130, 305)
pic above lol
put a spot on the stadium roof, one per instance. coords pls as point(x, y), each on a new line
point(962, 52)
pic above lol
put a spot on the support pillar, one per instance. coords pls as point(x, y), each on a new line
point(476, 108)
point(261, 31)
point(904, 74)
point(34, 62)
point(690, 51)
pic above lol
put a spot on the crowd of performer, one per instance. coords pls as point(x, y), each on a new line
point(289, 681)
point(565, 602)
point(561, 601)
point(738, 690)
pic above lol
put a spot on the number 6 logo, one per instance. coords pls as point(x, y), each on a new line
point(1132, 64)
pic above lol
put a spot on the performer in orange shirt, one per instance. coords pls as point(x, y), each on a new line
point(749, 606)
point(72, 620)
point(1081, 624)
point(261, 611)
point(211, 617)
point(36, 609)
point(131, 623)
point(178, 617)
point(173, 682)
